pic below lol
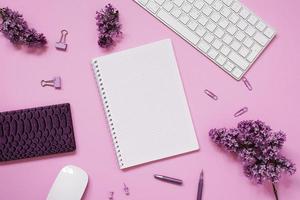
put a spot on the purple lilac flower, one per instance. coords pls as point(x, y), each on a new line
point(16, 29)
point(109, 26)
point(259, 149)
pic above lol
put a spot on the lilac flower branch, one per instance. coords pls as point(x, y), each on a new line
point(258, 147)
point(108, 25)
point(16, 29)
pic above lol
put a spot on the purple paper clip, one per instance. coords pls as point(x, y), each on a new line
point(241, 112)
point(246, 82)
point(55, 82)
point(211, 94)
point(111, 196)
point(62, 45)
point(126, 189)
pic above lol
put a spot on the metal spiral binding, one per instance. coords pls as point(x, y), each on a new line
point(107, 111)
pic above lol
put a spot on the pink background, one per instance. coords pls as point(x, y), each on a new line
point(275, 99)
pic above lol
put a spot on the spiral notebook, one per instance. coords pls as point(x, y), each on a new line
point(145, 104)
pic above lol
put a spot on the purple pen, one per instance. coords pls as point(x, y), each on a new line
point(200, 187)
point(168, 179)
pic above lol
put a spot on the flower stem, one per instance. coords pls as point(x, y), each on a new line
point(275, 191)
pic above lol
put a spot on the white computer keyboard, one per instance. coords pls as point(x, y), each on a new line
point(225, 31)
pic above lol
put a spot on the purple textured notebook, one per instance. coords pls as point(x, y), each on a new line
point(36, 132)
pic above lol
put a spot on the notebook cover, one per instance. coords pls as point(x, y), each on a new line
point(145, 104)
point(36, 132)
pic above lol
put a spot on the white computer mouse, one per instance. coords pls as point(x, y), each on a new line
point(70, 184)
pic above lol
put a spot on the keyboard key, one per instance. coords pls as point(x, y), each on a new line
point(202, 20)
point(209, 1)
point(199, 4)
point(244, 13)
point(252, 56)
point(221, 59)
point(223, 23)
point(250, 31)
point(227, 39)
point(211, 26)
point(219, 33)
point(186, 7)
point(177, 26)
point(228, 2)
point(237, 72)
point(225, 50)
point(229, 66)
point(217, 44)
point(209, 37)
point(153, 7)
point(233, 18)
point(244, 51)
point(215, 17)
point(252, 19)
point(207, 10)
point(168, 6)
point(192, 25)
point(261, 39)
point(238, 60)
point(178, 2)
point(212, 53)
point(176, 12)
point(240, 36)
point(225, 11)
point(248, 42)
point(236, 6)
point(144, 2)
point(260, 26)
point(204, 46)
point(269, 32)
point(200, 31)
point(231, 29)
point(184, 18)
point(194, 13)
point(255, 49)
point(160, 2)
point(217, 5)
point(242, 24)
point(235, 45)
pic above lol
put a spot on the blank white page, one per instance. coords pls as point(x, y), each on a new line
point(145, 104)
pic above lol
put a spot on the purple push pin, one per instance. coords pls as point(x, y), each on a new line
point(111, 196)
point(55, 82)
point(126, 189)
point(62, 45)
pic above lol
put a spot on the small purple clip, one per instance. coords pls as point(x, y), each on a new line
point(55, 82)
point(126, 189)
point(111, 196)
point(241, 112)
point(62, 45)
point(246, 82)
point(211, 94)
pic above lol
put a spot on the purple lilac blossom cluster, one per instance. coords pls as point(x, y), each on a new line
point(16, 29)
point(258, 147)
point(109, 26)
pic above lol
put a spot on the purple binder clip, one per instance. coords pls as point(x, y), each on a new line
point(62, 45)
point(55, 82)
